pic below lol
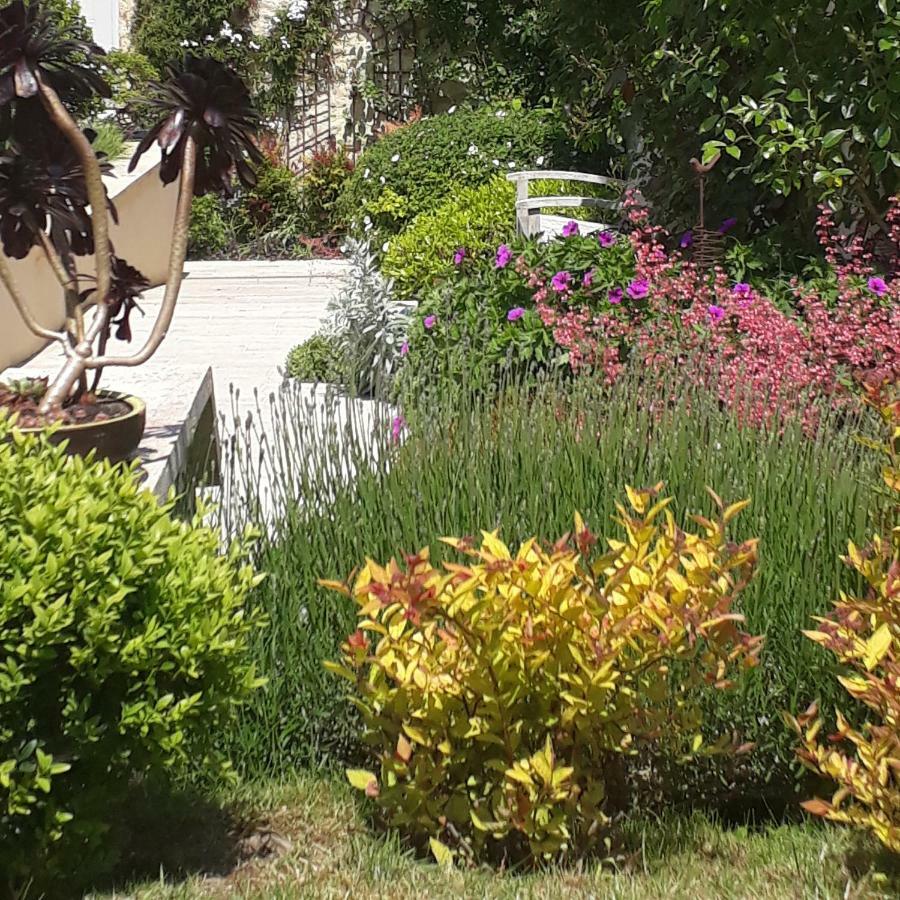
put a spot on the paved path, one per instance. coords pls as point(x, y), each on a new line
point(238, 318)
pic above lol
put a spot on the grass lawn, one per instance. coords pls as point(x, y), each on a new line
point(309, 838)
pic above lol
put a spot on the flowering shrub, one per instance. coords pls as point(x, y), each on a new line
point(864, 634)
point(613, 298)
point(498, 696)
point(324, 176)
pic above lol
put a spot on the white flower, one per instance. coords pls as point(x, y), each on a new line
point(451, 110)
point(395, 158)
point(185, 43)
point(386, 246)
point(509, 145)
point(539, 161)
point(472, 150)
point(501, 113)
point(237, 38)
point(511, 165)
point(366, 174)
point(253, 45)
point(296, 10)
point(285, 43)
point(367, 220)
point(383, 180)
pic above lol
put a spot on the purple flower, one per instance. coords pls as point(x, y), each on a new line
point(616, 295)
point(727, 225)
point(607, 239)
point(742, 289)
point(716, 313)
point(429, 322)
point(404, 349)
point(638, 289)
point(687, 240)
point(515, 314)
point(878, 286)
point(588, 279)
point(504, 255)
point(397, 425)
point(570, 229)
point(459, 256)
point(560, 282)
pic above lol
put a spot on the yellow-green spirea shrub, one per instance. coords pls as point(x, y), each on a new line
point(475, 218)
point(123, 648)
point(863, 633)
point(500, 697)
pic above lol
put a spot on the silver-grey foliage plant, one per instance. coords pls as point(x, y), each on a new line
point(366, 322)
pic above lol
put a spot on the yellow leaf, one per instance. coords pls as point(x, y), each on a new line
point(361, 779)
point(877, 646)
point(677, 580)
point(637, 499)
point(735, 509)
point(416, 734)
point(442, 853)
point(696, 743)
point(404, 749)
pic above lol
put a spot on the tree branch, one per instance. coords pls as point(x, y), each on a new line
point(31, 323)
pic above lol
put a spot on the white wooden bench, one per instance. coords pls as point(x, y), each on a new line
point(531, 221)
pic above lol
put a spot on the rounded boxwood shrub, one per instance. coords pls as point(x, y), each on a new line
point(317, 359)
point(124, 638)
point(414, 169)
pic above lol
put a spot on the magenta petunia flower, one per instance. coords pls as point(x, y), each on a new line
point(607, 239)
point(616, 295)
point(459, 256)
point(687, 240)
point(727, 225)
point(588, 279)
point(742, 289)
point(397, 426)
point(404, 349)
point(429, 321)
point(878, 286)
point(716, 313)
point(560, 282)
point(515, 314)
point(638, 289)
point(570, 229)
point(504, 255)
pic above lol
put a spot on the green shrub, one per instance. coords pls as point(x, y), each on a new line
point(209, 233)
point(316, 359)
point(414, 169)
point(501, 697)
point(522, 461)
point(129, 76)
point(476, 218)
point(324, 176)
point(123, 635)
point(273, 205)
point(109, 140)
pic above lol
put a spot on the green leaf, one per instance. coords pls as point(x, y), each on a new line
point(796, 96)
point(833, 138)
point(883, 136)
point(733, 151)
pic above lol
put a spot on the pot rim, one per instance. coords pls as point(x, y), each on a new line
point(137, 408)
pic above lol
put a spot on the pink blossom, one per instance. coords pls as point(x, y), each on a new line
point(687, 240)
point(716, 313)
point(504, 255)
point(429, 322)
point(570, 229)
point(515, 314)
point(616, 295)
point(459, 256)
point(742, 289)
point(397, 426)
point(588, 279)
point(404, 349)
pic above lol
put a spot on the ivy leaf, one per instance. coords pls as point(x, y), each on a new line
point(833, 138)
point(883, 136)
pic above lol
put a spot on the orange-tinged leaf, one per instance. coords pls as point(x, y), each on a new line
point(404, 749)
point(817, 807)
point(361, 779)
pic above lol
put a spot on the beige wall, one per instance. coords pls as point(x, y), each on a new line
point(146, 214)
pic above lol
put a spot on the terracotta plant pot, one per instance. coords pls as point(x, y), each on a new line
point(116, 438)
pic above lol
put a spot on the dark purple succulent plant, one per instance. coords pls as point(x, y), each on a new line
point(205, 100)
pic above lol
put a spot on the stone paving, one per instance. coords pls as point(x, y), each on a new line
point(237, 319)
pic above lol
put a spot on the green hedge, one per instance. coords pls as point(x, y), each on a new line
point(414, 169)
point(123, 639)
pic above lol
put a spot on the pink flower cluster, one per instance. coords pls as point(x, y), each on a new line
point(757, 357)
